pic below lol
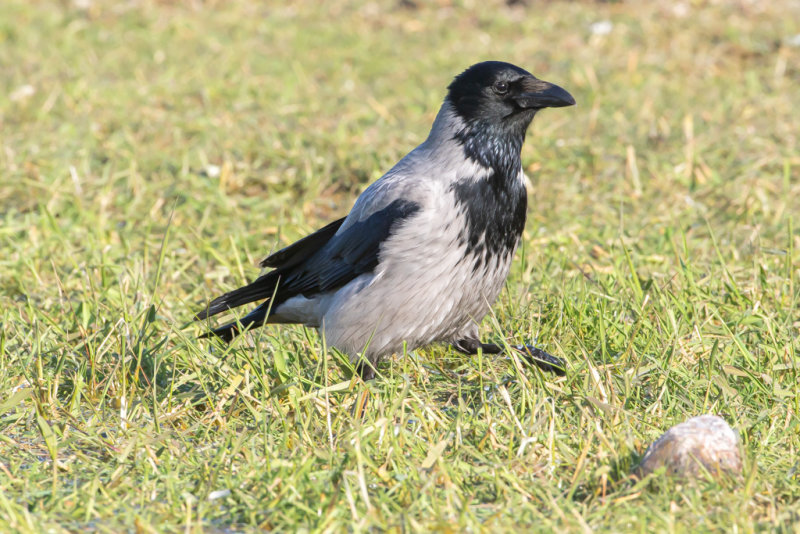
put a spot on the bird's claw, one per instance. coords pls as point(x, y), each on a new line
point(543, 360)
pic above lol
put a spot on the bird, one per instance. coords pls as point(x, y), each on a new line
point(426, 249)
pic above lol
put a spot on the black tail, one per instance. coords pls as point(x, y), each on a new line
point(262, 287)
point(254, 319)
point(288, 264)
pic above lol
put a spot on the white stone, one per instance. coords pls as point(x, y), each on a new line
point(602, 27)
point(702, 444)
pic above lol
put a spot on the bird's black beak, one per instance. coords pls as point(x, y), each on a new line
point(541, 94)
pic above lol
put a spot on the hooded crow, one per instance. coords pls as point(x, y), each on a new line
point(426, 249)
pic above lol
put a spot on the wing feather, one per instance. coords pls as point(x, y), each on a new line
point(320, 262)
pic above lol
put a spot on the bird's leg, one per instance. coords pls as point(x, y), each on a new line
point(365, 370)
point(471, 346)
point(531, 354)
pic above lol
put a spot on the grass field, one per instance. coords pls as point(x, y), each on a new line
point(152, 152)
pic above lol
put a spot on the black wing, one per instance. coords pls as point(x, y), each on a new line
point(301, 250)
point(320, 262)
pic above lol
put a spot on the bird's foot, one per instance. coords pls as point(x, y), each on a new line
point(541, 359)
point(538, 357)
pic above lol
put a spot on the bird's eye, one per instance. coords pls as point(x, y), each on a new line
point(500, 88)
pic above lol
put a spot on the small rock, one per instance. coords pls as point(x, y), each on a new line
point(794, 40)
point(22, 92)
point(218, 494)
point(213, 171)
point(601, 27)
point(702, 444)
point(680, 9)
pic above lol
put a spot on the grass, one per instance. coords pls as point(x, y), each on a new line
point(152, 152)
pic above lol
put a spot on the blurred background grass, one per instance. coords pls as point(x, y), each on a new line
point(152, 152)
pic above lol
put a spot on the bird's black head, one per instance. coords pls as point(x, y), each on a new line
point(502, 95)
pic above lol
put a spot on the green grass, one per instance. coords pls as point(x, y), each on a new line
point(661, 259)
